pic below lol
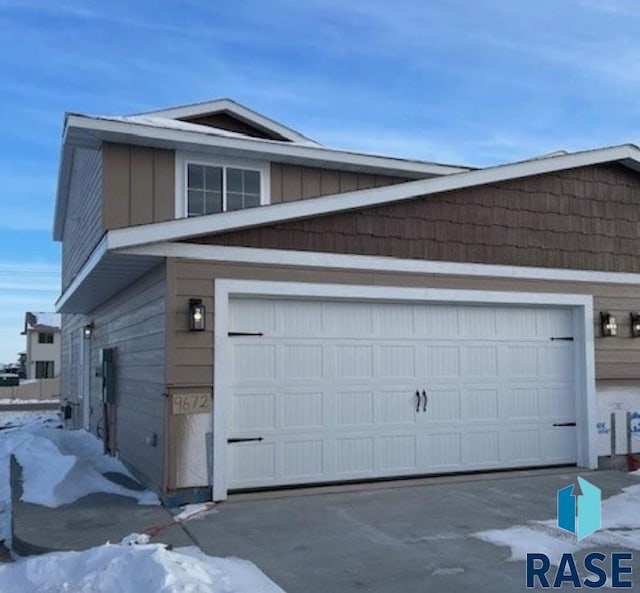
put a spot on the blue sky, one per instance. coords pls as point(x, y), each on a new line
point(447, 80)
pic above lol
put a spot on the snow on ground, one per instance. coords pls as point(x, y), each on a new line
point(19, 400)
point(26, 417)
point(195, 511)
point(59, 466)
point(620, 528)
point(134, 568)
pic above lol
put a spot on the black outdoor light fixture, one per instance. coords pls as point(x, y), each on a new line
point(608, 324)
point(196, 315)
point(635, 325)
point(87, 331)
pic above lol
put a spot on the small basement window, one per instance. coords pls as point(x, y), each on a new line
point(211, 187)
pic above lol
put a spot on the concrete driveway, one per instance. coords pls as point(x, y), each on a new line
point(399, 537)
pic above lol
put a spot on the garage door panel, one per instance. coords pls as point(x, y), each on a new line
point(347, 319)
point(302, 361)
point(253, 315)
point(302, 410)
point(299, 318)
point(252, 464)
point(480, 404)
point(481, 448)
point(396, 361)
point(479, 361)
point(443, 404)
point(354, 408)
point(519, 403)
point(554, 323)
point(354, 360)
point(331, 389)
point(397, 453)
point(303, 460)
point(254, 361)
point(436, 322)
point(556, 403)
point(439, 361)
point(559, 444)
point(442, 451)
point(477, 322)
point(396, 321)
point(519, 362)
point(555, 360)
point(355, 455)
point(520, 446)
point(396, 406)
point(516, 323)
point(251, 412)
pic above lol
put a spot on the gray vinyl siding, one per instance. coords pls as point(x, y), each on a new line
point(133, 322)
point(83, 223)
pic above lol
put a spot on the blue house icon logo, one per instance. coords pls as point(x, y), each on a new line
point(580, 513)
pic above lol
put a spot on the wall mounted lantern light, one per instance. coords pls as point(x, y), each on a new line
point(635, 325)
point(608, 325)
point(87, 331)
point(196, 315)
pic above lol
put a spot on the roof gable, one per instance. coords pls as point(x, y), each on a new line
point(229, 115)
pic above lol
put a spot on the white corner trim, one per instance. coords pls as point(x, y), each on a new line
point(94, 259)
point(581, 305)
point(315, 259)
point(183, 158)
point(229, 221)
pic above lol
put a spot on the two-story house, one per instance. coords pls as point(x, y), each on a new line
point(244, 307)
point(43, 337)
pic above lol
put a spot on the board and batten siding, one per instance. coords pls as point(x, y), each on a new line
point(294, 182)
point(133, 322)
point(139, 185)
point(190, 355)
point(83, 223)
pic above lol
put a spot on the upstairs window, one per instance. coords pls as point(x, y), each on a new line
point(45, 338)
point(213, 187)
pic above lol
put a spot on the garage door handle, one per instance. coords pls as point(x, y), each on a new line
point(426, 401)
point(418, 403)
point(565, 424)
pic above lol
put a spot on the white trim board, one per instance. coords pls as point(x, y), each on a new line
point(87, 129)
point(582, 306)
point(342, 202)
point(315, 259)
point(230, 106)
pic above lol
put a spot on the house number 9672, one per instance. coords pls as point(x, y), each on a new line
point(191, 403)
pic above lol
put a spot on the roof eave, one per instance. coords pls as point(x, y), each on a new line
point(87, 131)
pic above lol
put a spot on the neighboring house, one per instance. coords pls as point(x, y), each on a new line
point(246, 308)
point(42, 331)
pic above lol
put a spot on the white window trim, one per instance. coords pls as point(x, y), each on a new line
point(184, 158)
point(581, 306)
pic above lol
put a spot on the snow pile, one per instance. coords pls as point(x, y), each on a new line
point(620, 528)
point(59, 467)
point(129, 567)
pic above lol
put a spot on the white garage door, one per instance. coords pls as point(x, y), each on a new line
point(339, 390)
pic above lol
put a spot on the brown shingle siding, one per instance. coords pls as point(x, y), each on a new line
point(582, 219)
